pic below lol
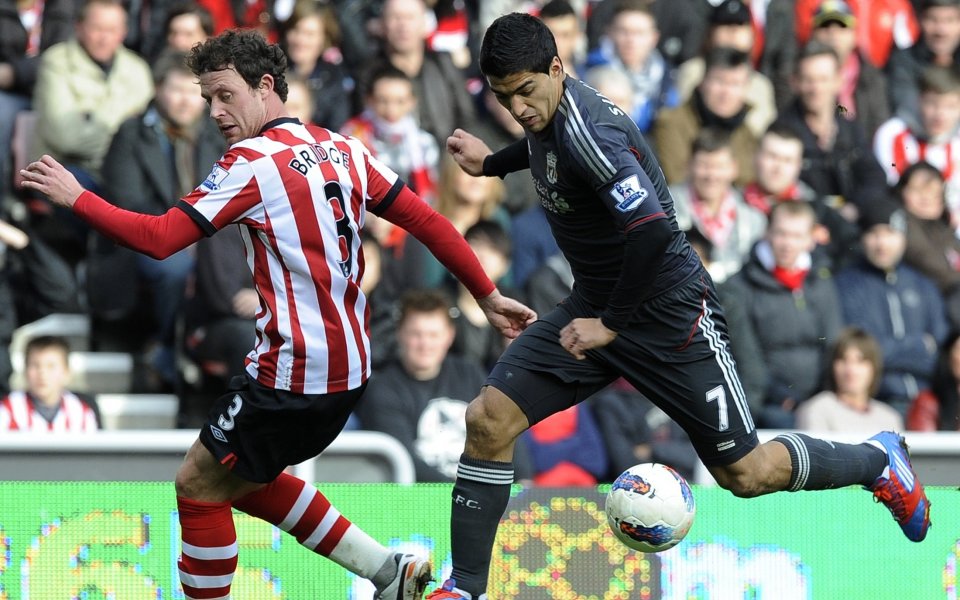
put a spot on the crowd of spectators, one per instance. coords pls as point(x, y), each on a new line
point(812, 149)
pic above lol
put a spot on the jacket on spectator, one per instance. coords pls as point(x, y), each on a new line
point(848, 170)
point(780, 338)
point(139, 174)
point(676, 128)
point(567, 448)
point(57, 26)
point(898, 309)
point(871, 96)
point(760, 90)
point(79, 106)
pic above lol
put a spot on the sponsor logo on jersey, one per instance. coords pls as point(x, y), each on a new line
point(551, 167)
point(628, 193)
point(215, 179)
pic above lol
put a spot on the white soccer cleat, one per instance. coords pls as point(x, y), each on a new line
point(413, 575)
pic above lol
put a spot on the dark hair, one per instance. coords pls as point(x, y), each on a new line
point(47, 342)
point(190, 8)
point(711, 139)
point(939, 80)
point(517, 43)
point(939, 4)
point(813, 49)
point(783, 131)
point(383, 71)
point(857, 338)
point(723, 57)
point(169, 61)
point(921, 166)
point(557, 8)
point(423, 301)
point(492, 233)
point(247, 53)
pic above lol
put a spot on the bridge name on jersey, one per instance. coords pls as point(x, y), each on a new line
point(314, 154)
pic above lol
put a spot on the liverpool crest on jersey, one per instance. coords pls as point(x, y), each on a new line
point(551, 167)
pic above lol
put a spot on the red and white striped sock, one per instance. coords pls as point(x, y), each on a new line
point(208, 553)
point(302, 511)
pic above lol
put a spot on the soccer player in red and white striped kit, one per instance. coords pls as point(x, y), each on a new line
point(299, 195)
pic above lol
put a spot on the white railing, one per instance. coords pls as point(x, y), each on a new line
point(166, 442)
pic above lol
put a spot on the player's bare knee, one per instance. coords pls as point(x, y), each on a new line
point(492, 424)
point(740, 482)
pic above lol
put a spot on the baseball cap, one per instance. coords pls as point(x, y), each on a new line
point(834, 11)
point(731, 12)
point(885, 212)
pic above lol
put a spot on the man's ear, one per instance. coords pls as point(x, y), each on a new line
point(266, 84)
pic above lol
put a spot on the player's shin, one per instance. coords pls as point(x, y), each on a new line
point(302, 511)
point(480, 496)
point(820, 464)
point(208, 557)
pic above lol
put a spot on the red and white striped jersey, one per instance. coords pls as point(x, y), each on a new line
point(299, 194)
point(897, 147)
point(18, 413)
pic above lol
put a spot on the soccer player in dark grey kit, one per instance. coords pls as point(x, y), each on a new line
point(642, 307)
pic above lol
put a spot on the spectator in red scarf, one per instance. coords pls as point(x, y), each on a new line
point(783, 314)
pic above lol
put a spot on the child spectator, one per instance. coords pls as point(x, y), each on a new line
point(848, 403)
point(47, 405)
point(388, 127)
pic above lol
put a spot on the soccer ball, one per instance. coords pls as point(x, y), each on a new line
point(650, 507)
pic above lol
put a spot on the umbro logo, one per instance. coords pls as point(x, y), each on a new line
point(218, 434)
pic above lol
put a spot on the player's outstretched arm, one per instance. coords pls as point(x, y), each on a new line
point(509, 316)
point(469, 151)
point(156, 236)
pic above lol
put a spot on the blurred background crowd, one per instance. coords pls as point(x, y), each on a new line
point(812, 148)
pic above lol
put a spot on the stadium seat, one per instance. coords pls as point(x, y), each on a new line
point(138, 411)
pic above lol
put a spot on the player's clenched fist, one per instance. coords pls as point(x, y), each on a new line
point(468, 150)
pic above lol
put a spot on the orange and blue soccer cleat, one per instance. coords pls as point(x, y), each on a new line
point(449, 591)
point(413, 575)
point(899, 488)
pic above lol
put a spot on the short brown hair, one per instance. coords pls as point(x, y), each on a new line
point(47, 342)
point(424, 301)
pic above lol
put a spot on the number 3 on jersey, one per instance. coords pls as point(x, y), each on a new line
point(335, 196)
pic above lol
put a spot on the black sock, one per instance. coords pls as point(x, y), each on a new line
point(480, 496)
point(821, 465)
